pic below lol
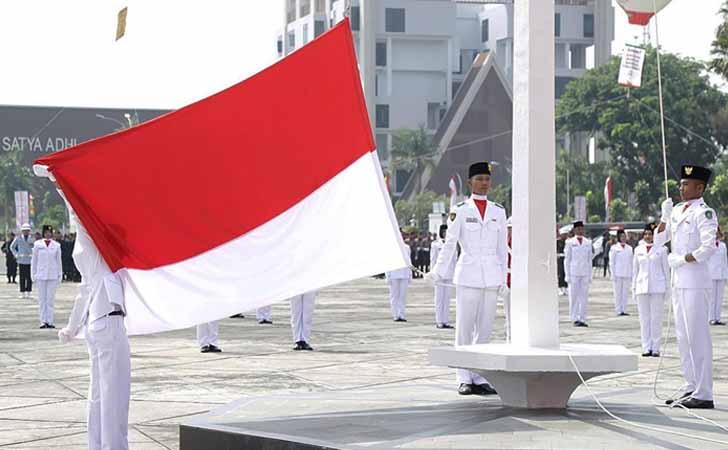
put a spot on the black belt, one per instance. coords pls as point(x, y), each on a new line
point(116, 313)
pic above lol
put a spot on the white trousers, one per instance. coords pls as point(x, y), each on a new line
point(207, 333)
point(302, 307)
point(716, 299)
point(442, 302)
point(398, 297)
point(110, 384)
point(474, 315)
point(651, 308)
point(263, 313)
point(693, 339)
point(46, 299)
point(578, 297)
point(621, 293)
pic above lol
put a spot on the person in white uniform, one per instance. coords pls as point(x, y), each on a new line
point(479, 226)
point(398, 281)
point(99, 313)
point(263, 315)
point(718, 273)
point(207, 335)
point(46, 272)
point(649, 284)
point(578, 255)
point(621, 259)
point(302, 307)
point(692, 227)
point(442, 290)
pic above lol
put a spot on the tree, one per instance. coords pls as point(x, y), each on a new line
point(412, 150)
point(719, 50)
point(627, 122)
point(583, 179)
point(14, 176)
point(418, 209)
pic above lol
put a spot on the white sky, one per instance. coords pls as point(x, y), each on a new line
point(178, 51)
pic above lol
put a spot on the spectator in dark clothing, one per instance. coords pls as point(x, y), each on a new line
point(11, 264)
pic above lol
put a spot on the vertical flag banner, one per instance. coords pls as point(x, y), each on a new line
point(22, 208)
point(251, 196)
point(453, 192)
point(607, 198)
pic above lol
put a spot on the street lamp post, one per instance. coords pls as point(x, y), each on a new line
point(119, 122)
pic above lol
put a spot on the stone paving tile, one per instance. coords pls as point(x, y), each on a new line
point(43, 384)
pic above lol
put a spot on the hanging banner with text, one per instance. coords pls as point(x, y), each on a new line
point(630, 71)
point(22, 208)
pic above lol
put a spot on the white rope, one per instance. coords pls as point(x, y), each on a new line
point(634, 424)
point(659, 90)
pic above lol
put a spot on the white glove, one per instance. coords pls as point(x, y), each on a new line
point(503, 290)
point(433, 278)
point(64, 335)
point(666, 211)
point(676, 261)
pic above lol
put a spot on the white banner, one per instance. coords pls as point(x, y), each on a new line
point(22, 208)
point(580, 208)
point(630, 71)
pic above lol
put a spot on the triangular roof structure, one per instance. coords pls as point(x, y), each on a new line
point(477, 127)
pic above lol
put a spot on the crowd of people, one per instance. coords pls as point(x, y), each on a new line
point(44, 259)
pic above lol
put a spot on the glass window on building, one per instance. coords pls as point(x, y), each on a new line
point(290, 10)
point(279, 46)
point(561, 83)
point(381, 54)
point(318, 28)
point(484, 31)
point(291, 40)
point(320, 6)
point(305, 34)
point(455, 88)
point(382, 116)
point(305, 8)
point(589, 25)
point(355, 18)
point(394, 20)
point(382, 146)
point(433, 116)
point(557, 25)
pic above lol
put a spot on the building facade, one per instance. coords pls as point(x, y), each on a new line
point(415, 54)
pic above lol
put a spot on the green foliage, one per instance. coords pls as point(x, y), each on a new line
point(595, 218)
point(503, 194)
point(629, 125)
point(584, 179)
point(719, 50)
point(418, 209)
point(620, 212)
point(411, 148)
point(54, 215)
point(14, 176)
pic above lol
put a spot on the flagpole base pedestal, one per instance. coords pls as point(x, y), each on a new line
point(532, 377)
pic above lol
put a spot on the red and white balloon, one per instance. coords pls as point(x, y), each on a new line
point(641, 11)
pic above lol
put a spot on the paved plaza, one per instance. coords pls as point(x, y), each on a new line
point(358, 348)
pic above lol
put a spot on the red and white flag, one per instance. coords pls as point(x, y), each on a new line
point(640, 12)
point(251, 196)
point(453, 192)
point(607, 197)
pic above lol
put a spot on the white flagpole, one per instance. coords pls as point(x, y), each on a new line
point(659, 90)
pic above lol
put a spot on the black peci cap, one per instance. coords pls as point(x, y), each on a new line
point(578, 223)
point(695, 173)
point(479, 168)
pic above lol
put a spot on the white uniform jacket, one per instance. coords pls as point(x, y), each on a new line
point(620, 260)
point(719, 263)
point(691, 230)
point(484, 246)
point(46, 261)
point(101, 291)
point(435, 249)
point(578, 258)
point(650, 269)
